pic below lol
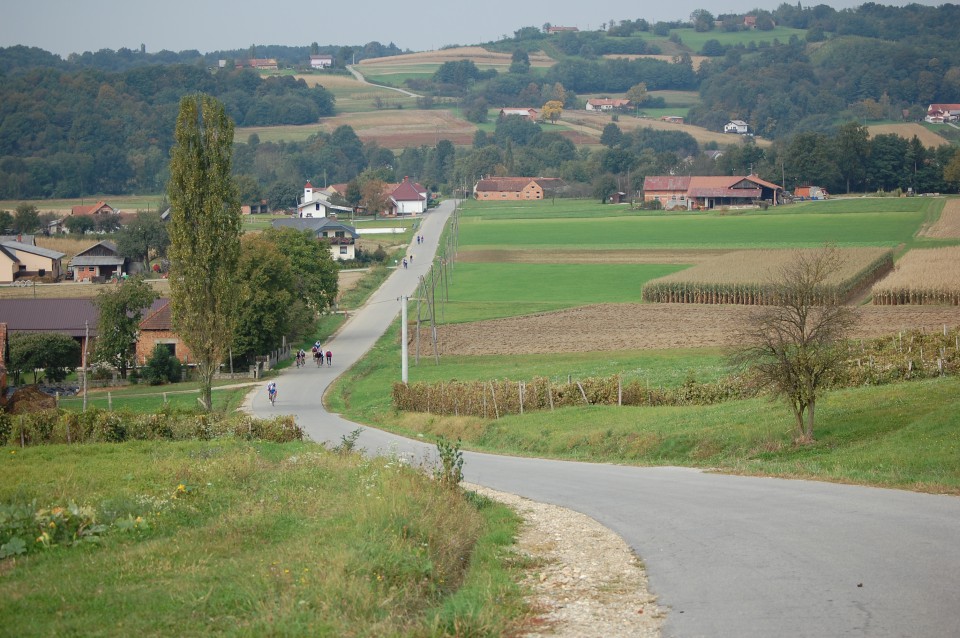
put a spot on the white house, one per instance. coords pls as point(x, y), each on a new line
point(321, 61)
point(607, 104)
point(736, 126)
point(315, 203)
point(409, 198)
point(940, 113)
point(341, 237)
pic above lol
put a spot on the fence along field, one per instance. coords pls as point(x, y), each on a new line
point(922, 277)
point(748, 277)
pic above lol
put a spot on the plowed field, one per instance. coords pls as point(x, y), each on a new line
point(607, 327)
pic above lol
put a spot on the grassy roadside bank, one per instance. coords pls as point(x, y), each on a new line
point(900, 435)
point(247, 538)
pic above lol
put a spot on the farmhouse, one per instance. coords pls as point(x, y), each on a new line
point(260, 64)
point(316, 203)
point(19, 259)
point(321, 61)
point(672, 119)
point(514, 188)
point(736, 126)
point(100, 208)
point(409, 198)
point(607, 104)
point(706, 192)
point(530, 114)
point(157, 329)
point(99, 261)
point(941, 113)
point(342, 238)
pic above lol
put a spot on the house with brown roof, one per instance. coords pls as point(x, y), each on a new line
point(316, 203)
point(100, 208)
point(18, 259)
point(693, 192)
point(409, 198)
point(156, 328)
point(942, 113)
point(259, 64)
point(608, 104)
point(515, 188)
point(530, 114)
point(102, 260)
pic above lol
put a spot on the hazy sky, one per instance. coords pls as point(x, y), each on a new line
point(65, 27)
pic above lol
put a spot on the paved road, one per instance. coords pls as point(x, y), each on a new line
point(727, 555)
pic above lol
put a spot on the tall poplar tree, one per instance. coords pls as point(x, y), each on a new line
point(204, 234)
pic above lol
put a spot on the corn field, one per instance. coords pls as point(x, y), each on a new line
point(929, 276)
point(748, 277)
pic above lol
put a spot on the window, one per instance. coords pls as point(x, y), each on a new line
point(343, 250)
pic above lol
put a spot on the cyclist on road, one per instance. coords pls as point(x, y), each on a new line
point(272, 392)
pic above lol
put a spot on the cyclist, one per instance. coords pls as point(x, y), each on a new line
point(329, 358)
point(272, 392)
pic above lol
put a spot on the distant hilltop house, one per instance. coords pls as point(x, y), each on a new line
point(342, 237)
point(692, 192)
point(736, 126)
point(530, 114)
point(607, 104)
point(672, 119)
point(941, 113)
point(321, 61)
point(551, 30)
point(515, 188)
point(259, 64)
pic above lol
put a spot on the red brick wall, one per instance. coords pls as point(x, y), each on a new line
point(149, 338)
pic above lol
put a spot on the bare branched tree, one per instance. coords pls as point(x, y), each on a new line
point(792, 347)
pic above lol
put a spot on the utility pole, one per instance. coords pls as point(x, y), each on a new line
point(404, 365)
point(86, 340)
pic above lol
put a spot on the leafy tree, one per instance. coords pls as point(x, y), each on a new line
point(162, 366)
point(204, 234)
point(792, 347)
point(520, 61)
point(702, 20)
point(265, 295)
point(315, 274)
point(106, 223)
point(283, 195)
point(26, 219)
point(638, 94)
point(373, 197)
point(121, 309)
point(144, 235)
point(79, 224)
point(552, 110)
point(6, 221)
point(611, 136)
point(951, 172)
point(56, 354)
point(852, 147)
point(603, 186)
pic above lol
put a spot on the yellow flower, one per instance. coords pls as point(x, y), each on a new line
point(139, 520)
point(13, 451)
point(181, 488)
point(52, 525)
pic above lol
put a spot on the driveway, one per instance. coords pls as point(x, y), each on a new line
point(726, 555)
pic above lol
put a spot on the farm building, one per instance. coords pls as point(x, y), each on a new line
point(607, 104)
point(672, 119)
point(736, 126)
point(156, 328)
point(21, 260)
point(940, 113)
point(513, 188)
point(100, 260)
point(342, 238)
point(530, 114)
point(321, 61)
point(693, 192)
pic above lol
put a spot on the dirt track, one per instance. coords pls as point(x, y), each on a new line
point(608, 327)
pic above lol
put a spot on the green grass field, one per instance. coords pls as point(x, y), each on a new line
point(487, 290)
point(248, 538)
point(126, 203)
point(695, 41)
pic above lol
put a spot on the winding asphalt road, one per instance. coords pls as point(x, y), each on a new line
point(728, 556)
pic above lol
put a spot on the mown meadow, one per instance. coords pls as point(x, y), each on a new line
point(900, 435)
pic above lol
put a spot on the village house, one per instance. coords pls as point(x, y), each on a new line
point(98, 262)
point(341, 237)
point(607, 104)
point(942, 113)
point(259, 64)
point(100, 208)
point(316, 203)
point(530, 114)
point(409, 198)
point(515, 188)
point(736, 126)
point(155, 329)
point(672, 119)
point(693, 192)
point(321, 61)
point(18, 259)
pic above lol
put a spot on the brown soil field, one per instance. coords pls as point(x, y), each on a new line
point(609, 327)
point(907, 131)
point(639, 256)
point(592, 123)
point(396, 129)
point(696, 60)
point(948, 226)
point(478, 55)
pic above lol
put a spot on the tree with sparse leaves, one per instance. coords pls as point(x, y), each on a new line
point(792, 348)
point(204, 234)
point(121, 309)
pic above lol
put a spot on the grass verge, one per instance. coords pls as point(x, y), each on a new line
point(242, 538)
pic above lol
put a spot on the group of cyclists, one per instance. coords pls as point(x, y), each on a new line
point(318, 357)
